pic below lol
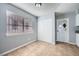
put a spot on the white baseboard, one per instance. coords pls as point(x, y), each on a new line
point(68, 42)
point(71, 43)
point(17, 48)
point(48, 42)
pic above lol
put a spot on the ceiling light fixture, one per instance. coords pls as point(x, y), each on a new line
point(38, 4)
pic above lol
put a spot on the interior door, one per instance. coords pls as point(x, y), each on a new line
point(61, 30)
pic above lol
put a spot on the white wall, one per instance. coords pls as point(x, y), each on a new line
point(10, 42)
point(46, 28)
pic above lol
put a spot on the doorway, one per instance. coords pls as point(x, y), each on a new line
point(62, 30)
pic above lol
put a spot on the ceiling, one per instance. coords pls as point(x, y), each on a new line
point(48, 8)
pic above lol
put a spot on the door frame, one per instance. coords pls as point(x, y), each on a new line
point(67, 29)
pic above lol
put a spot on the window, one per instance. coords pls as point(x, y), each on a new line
point(17, 24)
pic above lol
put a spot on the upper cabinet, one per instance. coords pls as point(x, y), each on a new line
point(77, 20)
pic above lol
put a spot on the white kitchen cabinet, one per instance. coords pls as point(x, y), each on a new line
point(77, 20)
point(77, 39)
point(77, 34)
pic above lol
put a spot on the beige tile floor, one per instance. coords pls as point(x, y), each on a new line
point(40, 48)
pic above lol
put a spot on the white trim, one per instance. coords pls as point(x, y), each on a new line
point(67, 42)
point(16, 48)
point(14, 34)
point(48, 42)
point(71, 43)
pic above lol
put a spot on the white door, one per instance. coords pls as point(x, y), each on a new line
point(62, 30)
point(45, 29)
